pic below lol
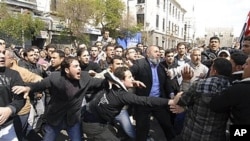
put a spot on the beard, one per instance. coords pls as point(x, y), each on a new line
point(153, 60)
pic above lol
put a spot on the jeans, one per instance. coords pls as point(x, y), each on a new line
point(123, 119)
point(51, 132)
point(8, 133)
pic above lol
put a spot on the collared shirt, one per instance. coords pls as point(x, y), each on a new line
point(155, 90)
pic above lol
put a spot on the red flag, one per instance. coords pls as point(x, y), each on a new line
point(247, 30)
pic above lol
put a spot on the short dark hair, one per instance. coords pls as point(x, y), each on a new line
point(80, 51)
point(60, 52)
point(115, 57)
point(25, 52)
point(180, 44)
point(214, 38)
point(239, 58)
point(51, 46)
point(120, 72)
point(66, 64)
point(119, 46)
point(223, 66)
point(167, 51)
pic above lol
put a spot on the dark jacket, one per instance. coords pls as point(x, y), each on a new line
point(35, 68)
point(8, 79)
point(141, 70)
point(91, 66)
point(109, 102)
point(207, 57)
point(235, 99)
point(61, 106)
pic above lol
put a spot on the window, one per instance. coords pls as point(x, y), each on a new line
point(164, 5)
point(173, 11)
point(157, 21)
point(169, 26)
point(140, 1)
point(140, 19)
point(163, 25)
point(170, 6)
point(157, 41)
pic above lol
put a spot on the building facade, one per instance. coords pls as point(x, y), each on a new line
point(162, 20)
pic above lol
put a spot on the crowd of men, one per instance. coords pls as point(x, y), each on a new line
point(194, 93)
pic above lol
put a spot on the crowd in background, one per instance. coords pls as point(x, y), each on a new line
point(194, 93)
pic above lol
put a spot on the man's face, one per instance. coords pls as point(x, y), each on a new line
point(56, 60)
point(50, 50)
point(214, 44)
point(110, 51)
point(128, 81)
point(169, 58)
point(117, 63)
point(162, 53)
point(131, 55)
point(181, 50)
point(196, 57)
point(154, 54)
point(94, 52)
point(74, 71)
point(99, 45)
point(2, 43)
point(31, 57)
point(246, 69)
point(2, 56)
point(234, 66)
point(246, 47)
point(8, 59)
point(118, 51)
point(67, 51)
point(106, 34)
point(140, 46)
point(37, 54)
point(84, 58)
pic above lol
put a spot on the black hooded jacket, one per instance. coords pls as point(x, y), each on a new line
point(108, 103)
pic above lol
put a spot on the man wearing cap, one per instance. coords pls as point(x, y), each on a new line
point(224, 54)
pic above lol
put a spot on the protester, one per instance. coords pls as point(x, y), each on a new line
point(109, 102)
point(10, 102)
point(67, 89)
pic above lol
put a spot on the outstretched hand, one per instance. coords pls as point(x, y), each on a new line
point(21, 89)
point(139, 84)
point(187, 73)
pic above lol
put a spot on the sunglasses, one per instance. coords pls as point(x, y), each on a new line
point(2, 43)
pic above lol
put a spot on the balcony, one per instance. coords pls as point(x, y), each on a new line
point(29, 4)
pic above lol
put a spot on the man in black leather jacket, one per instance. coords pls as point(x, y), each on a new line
point(109, 102)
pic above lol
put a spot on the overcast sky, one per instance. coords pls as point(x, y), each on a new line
point(218, 13)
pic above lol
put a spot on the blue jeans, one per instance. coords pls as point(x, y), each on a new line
point(8, 133)
point(51, 132)
point(123, 119)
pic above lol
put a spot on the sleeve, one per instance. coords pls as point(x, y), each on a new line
point(188, 97)
point(134, 69)
point(41, 85)
point(223, 102)
point(18, 100)
point(130, 98)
